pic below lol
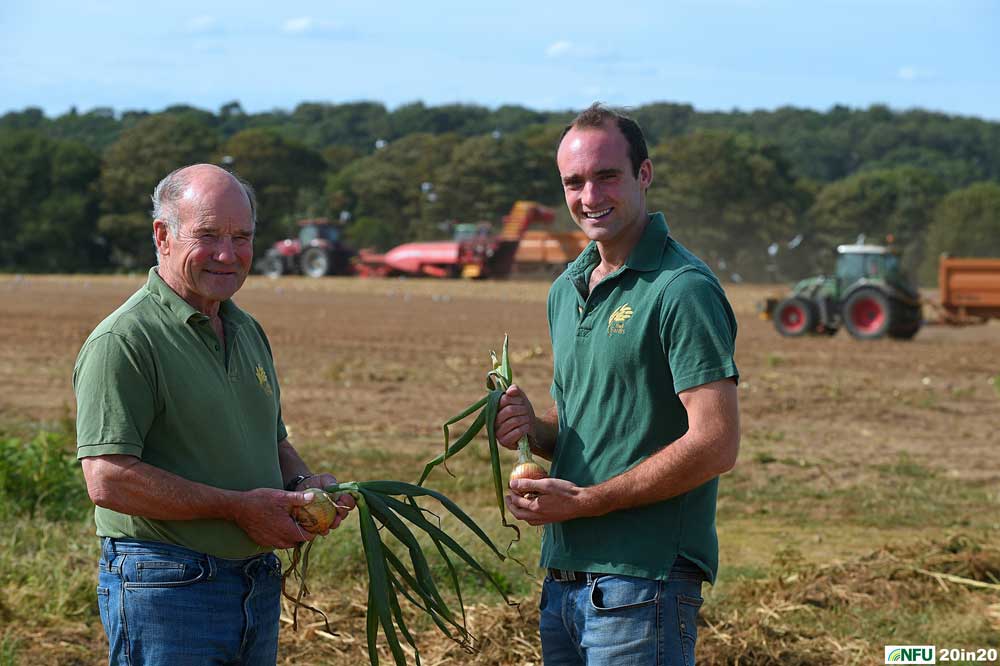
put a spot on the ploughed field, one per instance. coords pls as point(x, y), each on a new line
point(865, 468)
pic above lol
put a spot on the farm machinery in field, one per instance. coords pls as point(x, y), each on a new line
point(869, 295)
point(318, 250)
point(472, 253)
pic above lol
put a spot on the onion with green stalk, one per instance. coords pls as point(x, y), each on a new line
point(390, 515)
point(498, 380)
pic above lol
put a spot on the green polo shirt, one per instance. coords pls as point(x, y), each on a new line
point(656, 327)
point(154, 381)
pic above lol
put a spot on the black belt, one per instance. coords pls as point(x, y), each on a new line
point(564, 576)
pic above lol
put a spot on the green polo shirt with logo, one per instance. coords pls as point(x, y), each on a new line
point(656, 327)
point(154, 381)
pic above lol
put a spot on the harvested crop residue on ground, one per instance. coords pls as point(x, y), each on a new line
point(864, 501)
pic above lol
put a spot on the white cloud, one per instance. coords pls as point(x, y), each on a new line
point(567, 49)
point(560, 48)
point(298, 25)
point(202, 24)
point(911, 73)
point(307, 25)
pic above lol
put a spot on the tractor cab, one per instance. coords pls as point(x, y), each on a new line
point(872, 262)
point(317, 229)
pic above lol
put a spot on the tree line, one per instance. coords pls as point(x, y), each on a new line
point(761, 195)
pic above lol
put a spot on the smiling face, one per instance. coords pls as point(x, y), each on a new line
point(606, 199)
point(209, 259)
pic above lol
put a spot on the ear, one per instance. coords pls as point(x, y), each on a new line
point(160, 236)
point(645, 174)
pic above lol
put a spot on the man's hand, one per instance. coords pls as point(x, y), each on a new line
point(515, 417)
point(265, 515)
point(553, 501)
point(344, 501)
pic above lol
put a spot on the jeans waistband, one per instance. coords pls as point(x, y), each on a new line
point(116, 546)
point(682, 569)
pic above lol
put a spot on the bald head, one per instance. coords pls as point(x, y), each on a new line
point(194, 181)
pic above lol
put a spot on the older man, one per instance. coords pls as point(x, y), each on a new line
point(645, 418)
point(180, 434)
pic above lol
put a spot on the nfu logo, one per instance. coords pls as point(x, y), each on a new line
point(910, 654)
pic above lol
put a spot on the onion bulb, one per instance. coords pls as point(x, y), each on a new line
point(317, 516)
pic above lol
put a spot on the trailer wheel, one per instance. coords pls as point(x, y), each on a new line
point(794, 316)
point(315, 262)
point(867, 314)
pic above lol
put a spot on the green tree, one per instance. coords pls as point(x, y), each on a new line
point(875, 204)
point(279, 170)
point(48, 204)
point(487, 174)
point(727, 196)
point(966, 224)
point(390, 195)
point(133, 165)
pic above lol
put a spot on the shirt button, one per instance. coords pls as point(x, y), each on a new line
point(216, 347)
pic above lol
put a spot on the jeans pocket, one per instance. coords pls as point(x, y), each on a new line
point(147, 571)
point(609, 594)
point(687, 622)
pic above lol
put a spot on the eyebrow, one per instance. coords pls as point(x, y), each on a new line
point(576, 178)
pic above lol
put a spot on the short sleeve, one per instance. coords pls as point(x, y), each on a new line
point(115, 399)
point(698, 331)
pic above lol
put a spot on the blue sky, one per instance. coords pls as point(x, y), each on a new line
point(713, 54)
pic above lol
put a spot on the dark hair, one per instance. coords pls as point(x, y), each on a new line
point(596, 115)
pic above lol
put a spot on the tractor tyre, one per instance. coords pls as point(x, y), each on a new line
point(794, 316)
point(315, 262)
point(907, 320)
point(868, 314)
point(273, 264)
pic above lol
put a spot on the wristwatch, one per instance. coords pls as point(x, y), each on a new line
point(296, 480)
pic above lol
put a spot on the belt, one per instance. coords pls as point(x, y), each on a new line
point(564, 576)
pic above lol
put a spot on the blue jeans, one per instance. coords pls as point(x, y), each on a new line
point(166, 605)
point(621, 620)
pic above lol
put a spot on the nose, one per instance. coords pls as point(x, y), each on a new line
point(225, 250)
point(591, 193)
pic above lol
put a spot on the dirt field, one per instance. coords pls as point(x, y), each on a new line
point(846, 447)
point(397, 356)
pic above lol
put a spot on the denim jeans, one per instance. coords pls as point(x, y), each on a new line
point(166, 605)
point(621, 620)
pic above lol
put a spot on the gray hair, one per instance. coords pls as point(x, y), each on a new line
point(170, 190)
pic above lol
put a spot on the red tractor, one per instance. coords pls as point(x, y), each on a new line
point(472, 253)
point(318, 251)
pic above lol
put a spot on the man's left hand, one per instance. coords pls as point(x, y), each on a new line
point(552, 501)
point(344, 501)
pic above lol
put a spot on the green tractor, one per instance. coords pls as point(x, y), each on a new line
point(870, 296)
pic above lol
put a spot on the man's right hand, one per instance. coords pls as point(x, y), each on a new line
point(265, 515)
point(515, 417)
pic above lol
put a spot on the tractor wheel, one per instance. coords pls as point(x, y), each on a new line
point(272, 265)
point(867, 314)
point(906, 321)
point(315, 262)
point(794, 316)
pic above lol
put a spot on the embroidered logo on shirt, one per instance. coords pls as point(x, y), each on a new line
point(616, 322)
point(262, 380)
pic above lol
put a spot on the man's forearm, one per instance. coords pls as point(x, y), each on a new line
point(290, 462)
point(544, 431)
point(128, 485)
point(674, 470)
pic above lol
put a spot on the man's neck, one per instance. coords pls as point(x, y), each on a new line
point(616, 252)
point(202, 305)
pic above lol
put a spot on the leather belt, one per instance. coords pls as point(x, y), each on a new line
point(564, 576)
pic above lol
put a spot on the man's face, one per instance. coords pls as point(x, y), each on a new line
point(602, 194)
point(210, 258)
